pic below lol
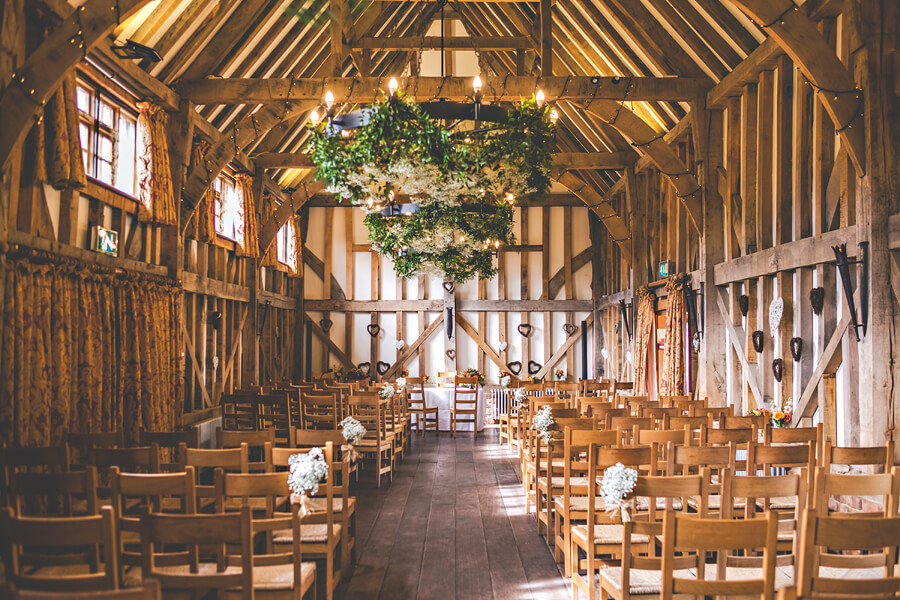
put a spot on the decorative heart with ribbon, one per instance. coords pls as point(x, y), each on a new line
point(382, 367)
point(776, 310)
point(757, 338)
point(604, 353)
point(515, 367)
point(399, 344)
point(525, 329)
point(325, 324)
point(451, 353)
point(365, 367)
point(778, 369)
point(534, 367)
point(817, 299)
point(374, 329)
point(744, 304)
point(570, 329)
point(504, 346)
point(796, 347)
point(449, 286)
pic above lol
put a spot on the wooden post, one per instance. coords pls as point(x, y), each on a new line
point(337, 38)
point(599, 369)
point(546, 37)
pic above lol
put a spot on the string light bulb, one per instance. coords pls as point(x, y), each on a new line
point(539, 98)
point(370, 201)
point(554, 116)
point(510, 197)
point(329, 99)
point(314, 117)
point(393, 86)
point(476, 85)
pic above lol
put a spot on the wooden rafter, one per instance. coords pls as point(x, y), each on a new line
point(410, 350)
point(561, 160)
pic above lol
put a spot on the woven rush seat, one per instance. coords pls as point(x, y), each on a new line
point(309, 533)
point(784, 576)
point(579, 503)
point(271, 578)
point(642, 583)
point(559, 482)
point(318, 505)
point(607, 534)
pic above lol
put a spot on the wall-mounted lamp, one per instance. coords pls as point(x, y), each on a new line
point(133, 50)
point(624, 310)
point(843, 267)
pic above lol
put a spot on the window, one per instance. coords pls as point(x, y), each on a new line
point(108, 131)
point(285, 246)
point(229, 208)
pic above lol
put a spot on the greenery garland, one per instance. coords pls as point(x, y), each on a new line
point(461, 183)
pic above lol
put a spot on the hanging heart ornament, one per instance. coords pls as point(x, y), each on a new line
point(399, 344)
point(326, 324)
point(374, 329)
point(604, 353)
point(504, 346)
point(796, 348)
point(515, 367)
point(776, 310)
point(757, 338)
point(365, 367)
point(451, 353)
point(534, 367)
point(524, 329)
point(382, 367)
point(570, 329)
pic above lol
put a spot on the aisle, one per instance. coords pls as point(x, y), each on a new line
point(452, 525)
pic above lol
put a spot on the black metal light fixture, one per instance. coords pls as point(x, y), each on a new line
point(690, 299)
point(133, 50)
point(262, 320)
point(843, 267)
point(623, 308)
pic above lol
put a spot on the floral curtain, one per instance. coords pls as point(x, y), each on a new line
point(202, 226)
point(157, 199)
point(86, 349)
point(58, 159)
point(672, 375)
point(249, 238)
point(644, 338)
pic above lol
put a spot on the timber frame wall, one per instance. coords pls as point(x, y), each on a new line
point(760, 172)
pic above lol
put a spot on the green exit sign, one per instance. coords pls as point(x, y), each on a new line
point(665, 268)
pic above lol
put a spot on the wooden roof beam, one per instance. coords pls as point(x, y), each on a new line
point(432, 42)
point(561, 160)
point(366, 89)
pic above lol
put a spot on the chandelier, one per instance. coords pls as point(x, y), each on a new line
point(438, 194)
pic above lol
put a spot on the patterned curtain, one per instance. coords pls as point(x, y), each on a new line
point(644, 338)
point(249, 242)
point(58, 159)
point(157, 199)
point(86, 349)
point(672, 375)
point(202, 226)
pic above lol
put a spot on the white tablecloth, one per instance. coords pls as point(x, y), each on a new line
point(442, 397)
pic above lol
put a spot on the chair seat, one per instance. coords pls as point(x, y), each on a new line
point(641, 582)
point(318, 505)
point(559, 482)
point(607, 534)
point(268, 578)
point(578, 503)
point(784, 576)
point(310, 534)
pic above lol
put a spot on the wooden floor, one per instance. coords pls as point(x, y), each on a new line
point(451, 525)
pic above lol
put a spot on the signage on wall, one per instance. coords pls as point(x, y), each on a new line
point(665, 268)
point(107, 241)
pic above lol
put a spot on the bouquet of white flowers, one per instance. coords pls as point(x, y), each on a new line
point(542, 422)
point(618, 482)
point(387, 392)
point(306, 471)
point(519, 396)
point(401, 383)
point(353, 432)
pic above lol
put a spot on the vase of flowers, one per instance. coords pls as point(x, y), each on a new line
point(355, 374)
point(306, 470)
point(782, 416)
point(617, 485)
point(505, 378)
point(560, 374)
point(470, 372)
point(542, 422)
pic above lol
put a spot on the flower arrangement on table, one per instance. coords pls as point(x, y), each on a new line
point(560, 374)
point(505, 378)
point(386, 392)
point(307, 469)
point(355, 374)
point(542, 422)
point(353, 432)
point(618, 483)
point(782, 416)
point(470, 372)
point(404, 372)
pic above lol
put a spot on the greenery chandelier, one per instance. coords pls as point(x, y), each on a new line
point(438, 200)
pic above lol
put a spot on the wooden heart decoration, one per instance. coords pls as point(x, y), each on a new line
point(451, 353)
point(758, 340)
point(534, 367)
point(449, 286)
point(325, 324)
point(796, 347)
point(382, 367)
point(525, 329)
point(365, 367)
point(503, 346)
point(778, 369)
point(570, 329)
point(515, 367)
point(374, 329)
point(744, 304)
point(817, 299)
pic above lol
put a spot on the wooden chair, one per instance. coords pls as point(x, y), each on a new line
point(566, 390)
point(236, 572)
point(61, 494)
point(143, 459)
point(640, 574)
point(601, 535)
point(321, 535)
point(259, 446)
point(204, 460)
point(239, 411)
point(378, 443)
point(694, 537)
point(427, 417)
point(149, 590)
point(273, 410)
point(319, 409)
point(14, 459)
point(168, 443)
point(158, 492)
point(465, 404)
point(880, 458)
point(80, 444)
point(49, 553)
point(883, 485)
point(344, 504)
point(688, 460)
point(757, 422)
point(780, 436)
point(849, 558)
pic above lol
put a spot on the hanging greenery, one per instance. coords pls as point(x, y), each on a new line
point(458, 187)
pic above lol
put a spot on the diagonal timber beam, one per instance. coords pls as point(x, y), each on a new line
point(595, 201)
point(561, 351)
point(411, 350)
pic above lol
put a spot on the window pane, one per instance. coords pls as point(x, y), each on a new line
point(84, 132)
point(83, 99)
point(107, 114)
point(105, 148)
point(104, 172)
point(126, 156)
point(282, 245)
